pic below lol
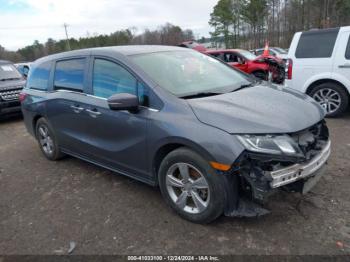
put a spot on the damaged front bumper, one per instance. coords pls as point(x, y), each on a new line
point(295, 172)
point(255, 184)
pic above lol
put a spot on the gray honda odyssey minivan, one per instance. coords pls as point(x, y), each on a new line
point(213, 139)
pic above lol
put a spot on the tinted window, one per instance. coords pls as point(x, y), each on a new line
point(69, 74)
point(39, 76)
point(316, 44)
point(220, 56)
point(233, 58)
point(110, 78)
point(347, 52)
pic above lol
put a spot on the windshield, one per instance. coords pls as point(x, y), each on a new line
point(186, 73)
point(248, 55)
point(9, 72)
point(280, 50)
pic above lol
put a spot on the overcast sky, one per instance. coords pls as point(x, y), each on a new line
point(23, 21)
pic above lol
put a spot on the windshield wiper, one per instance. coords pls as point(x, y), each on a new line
point(200, 94)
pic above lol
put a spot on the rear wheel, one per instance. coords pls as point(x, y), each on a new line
point(191, 186)
point(47, 140)
point(332, 97)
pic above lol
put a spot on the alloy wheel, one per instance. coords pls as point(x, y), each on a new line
point(329, 99)
point(188, 188)
point(45, 140)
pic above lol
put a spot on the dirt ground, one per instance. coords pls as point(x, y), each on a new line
point(46, 205)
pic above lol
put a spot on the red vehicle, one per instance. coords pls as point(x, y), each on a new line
point(261, 66)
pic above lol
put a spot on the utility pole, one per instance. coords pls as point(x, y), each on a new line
point(65, 29)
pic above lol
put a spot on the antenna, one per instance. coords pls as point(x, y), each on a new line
point(65, 29)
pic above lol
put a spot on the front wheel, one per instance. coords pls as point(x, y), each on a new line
point(191, 186)
point(332, 97)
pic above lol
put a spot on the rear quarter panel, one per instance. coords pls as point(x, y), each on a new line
point(32, 108)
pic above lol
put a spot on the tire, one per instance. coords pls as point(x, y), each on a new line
point(260, 74)
point(212, 199)
point(49, 147)
point(338, 95)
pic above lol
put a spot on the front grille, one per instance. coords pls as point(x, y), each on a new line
point(10, 95)
point(312, 140)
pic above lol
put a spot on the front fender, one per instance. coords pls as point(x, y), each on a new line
point(211, 143)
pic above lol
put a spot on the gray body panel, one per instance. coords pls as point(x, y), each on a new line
point(264, 109)
point(128, 142)
point(12, 84)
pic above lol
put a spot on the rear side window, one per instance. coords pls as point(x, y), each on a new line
point(110, 78)
point(317, 44)
point(347, 52)
point(39, 76)
point(69, 74)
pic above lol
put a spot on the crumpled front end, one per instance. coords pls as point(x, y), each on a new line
point(260, 175)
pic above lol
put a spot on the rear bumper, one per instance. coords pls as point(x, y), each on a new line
point(10, 107)
point(295, 172)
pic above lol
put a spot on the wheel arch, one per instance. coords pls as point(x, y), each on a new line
point(170, 145)
point(322, 81)
point(265, 72)
point(34, 121)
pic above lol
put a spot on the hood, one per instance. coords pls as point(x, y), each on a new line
point(12, 84)
point(263, 109)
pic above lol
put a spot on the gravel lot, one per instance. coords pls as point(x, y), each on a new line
point(45, 205)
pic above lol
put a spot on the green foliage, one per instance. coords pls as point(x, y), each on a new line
point(221, 19)
point(249, 23)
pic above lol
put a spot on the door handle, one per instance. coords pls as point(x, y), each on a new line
point(77, 109)
point(344, 66)
point(93, 113)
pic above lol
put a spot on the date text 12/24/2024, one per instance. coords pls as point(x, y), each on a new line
point(173, 258)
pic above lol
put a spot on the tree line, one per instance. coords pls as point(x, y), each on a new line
point(249, 23)
point(167, 34)
point(236, 24)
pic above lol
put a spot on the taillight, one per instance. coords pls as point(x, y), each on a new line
point(22, 96)
point(289, 66)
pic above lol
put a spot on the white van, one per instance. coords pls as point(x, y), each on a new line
point(319, 66)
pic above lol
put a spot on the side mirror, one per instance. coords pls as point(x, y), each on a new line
point(123, 101)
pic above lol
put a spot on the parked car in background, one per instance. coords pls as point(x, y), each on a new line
point(193, 45)
point(261, 67)
point(23, 68)
point(274, 51)
point(212, 138)
point(320, 67)
point(11, 84)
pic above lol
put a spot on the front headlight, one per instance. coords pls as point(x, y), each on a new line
point(281, 144)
